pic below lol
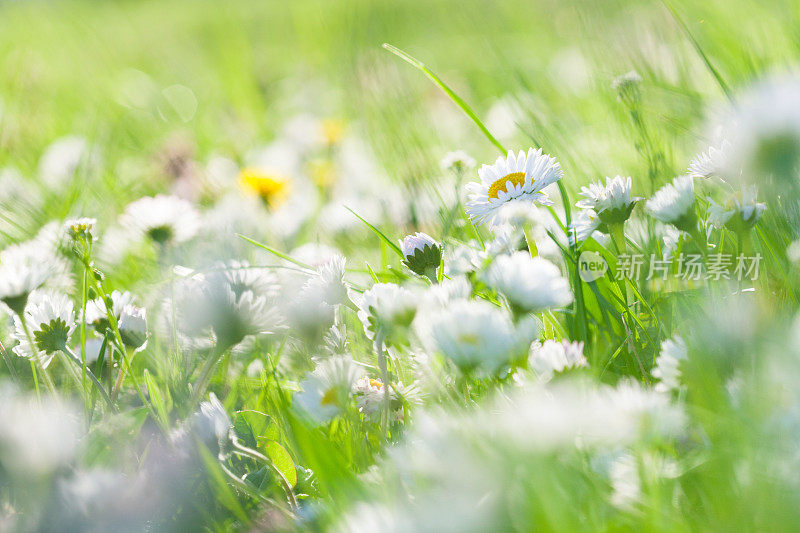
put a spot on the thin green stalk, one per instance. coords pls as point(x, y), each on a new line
point(91, 376)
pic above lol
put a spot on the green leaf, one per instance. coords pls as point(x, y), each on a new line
point(281, 460)
point(416, 63)
point(219, 485)
point(380, 234)
point(278, 253)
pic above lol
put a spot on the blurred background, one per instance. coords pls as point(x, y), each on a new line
point(157, 84)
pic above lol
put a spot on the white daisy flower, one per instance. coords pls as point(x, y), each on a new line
point(531, 285)
point(458, 161)
point(583, 226)
point(740, 213)
point(387, 308)
point(474, 334)
point(50, 321)
point(369, 395)
point(552, 356)
point(421, 254)
point(241, 276)
point(328, 280)
point(164, 219)
point(612, 201)
point(511, 178)
point(326, 391)
point(667, 370)
point(674, 204)
point(204, 302)
point(215, 416)
point(712, 162)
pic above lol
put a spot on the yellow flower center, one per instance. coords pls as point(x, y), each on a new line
point(515, 178)
point(376, 383)
point(330, 397)
point(272, 188)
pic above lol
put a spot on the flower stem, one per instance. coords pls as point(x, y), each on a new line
point(91, 376)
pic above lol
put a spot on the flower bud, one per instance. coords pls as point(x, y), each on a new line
point(133, 326)
point(421, 254)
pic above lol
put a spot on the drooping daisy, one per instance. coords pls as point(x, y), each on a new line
point(511, 178)
point(674, 204)
point(712, 162)
point(474, 334)
point(530, 285)
point(612, 201)
point(667, 370)
point(241, 276)
point(740, 213)
point(50, 320)
point(551, 357)
point(96, 310)
point(421, 254)
point(389, 309)
point(164, 219)
point(133, 326)
point(583, 226)
point(326, 390)
point(19, 277)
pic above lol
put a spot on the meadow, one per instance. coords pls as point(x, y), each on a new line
point(399, 265)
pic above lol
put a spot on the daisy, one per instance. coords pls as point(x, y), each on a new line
point(712, 162)
point(473, 334)
point(551, 357)
point(328, 280)
point(241, 276)
point(164, 219)
point(674, 204)
point(326, 391)
point(421, 254)
point(80, 227)
point(740, 213)
point(49, 322)
point(389, 309)
point(612, 201)
point(511, 178)
point(667, 370)
point(531, 285)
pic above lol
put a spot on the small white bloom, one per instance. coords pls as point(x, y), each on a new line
point(530, 285)
point(612, 201)
point(473, 334)
point(328, 281)
point(511, 178)
point(550, 357)
point(164, 219)
point(78, 227)
point(50, 320)
point(674, 203)
point(421, 253)
point(712, 162)
point(667, 370)
point(326, 390)
point(740, 213)
point(458, 161)
point(624, 81)
point(387, 308)
point(216, 417)
point(583, 226)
